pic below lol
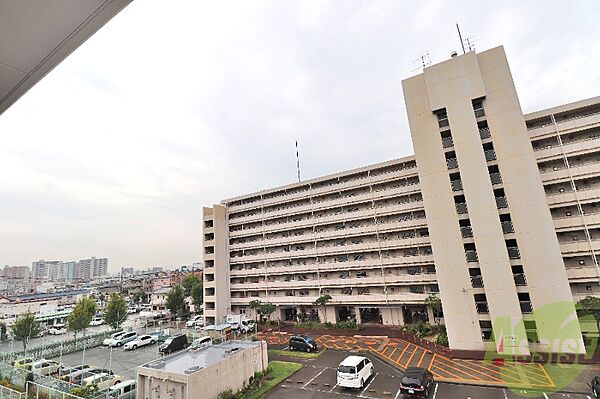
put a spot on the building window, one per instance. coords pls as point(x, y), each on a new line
point(481, 304)
point(442, 117)
point(519, 275)
point(478, 107)
point(487, 333)
point(476, 277)
point(447, 141)
point(525, 302)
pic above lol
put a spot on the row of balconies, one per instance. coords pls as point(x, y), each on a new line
point(580, 246)
point(568, 196)
point(565, 125)
point(395, 279)
point(403, 190)
point(332, 250)
point(401, 174)
point(579, 171)
point(575, 221)
point(574, 148)
point(336, 266)
point(583, 274)
point(375, 299)
point(342, 217)
point(408, 207)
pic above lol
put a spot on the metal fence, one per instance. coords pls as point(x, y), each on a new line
point(34, 390)
point(7, 393)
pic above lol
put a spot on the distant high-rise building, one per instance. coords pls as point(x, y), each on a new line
point(92, 267)
point(42, 269)
point(20, 272)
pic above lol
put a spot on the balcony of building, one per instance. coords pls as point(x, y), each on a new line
point(577, 121)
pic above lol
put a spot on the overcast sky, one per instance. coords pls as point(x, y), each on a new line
point(177, 105)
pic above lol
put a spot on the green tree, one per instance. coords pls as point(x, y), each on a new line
point(590, 305)
point(139, 296)
point(176, 301)
point(26, 327)
point(115, 312)
point(2, 331)
point(435, 303)
point(321, 302)
point(266, 309)
point(189, 282)
point(255, 305)
point(88, 391)
point(197, 295)
point(82, 315)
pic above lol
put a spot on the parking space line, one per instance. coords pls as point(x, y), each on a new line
point(471, 369)
point(421, 359)
point(435, 390)
point(402, 354)
point(331, 390)
point(397, 394)
point(431, 362)
point(312, 379)
point(411, 356)
point(368, 385)
point(546, 374)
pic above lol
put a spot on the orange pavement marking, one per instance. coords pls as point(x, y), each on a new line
point(422, 357)
point(546, 373)
point(411, 356)
point(499, 372)
point(431, 362)
point(461, 371)
point(402, 354)
point(394, 351)
point(447, 372)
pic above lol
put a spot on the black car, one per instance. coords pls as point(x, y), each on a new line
point(302, 343)
point(416, 382)
point(174, 344)
point(595, 385)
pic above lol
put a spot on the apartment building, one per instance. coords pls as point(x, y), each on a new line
point(499, 219)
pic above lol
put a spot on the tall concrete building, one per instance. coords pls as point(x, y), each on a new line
point(497, 213)
point(44, 270)
point(92, 267)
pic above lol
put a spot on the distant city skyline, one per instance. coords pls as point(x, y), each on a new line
point(118, 148)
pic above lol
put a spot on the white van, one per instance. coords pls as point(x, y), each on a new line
point(354, 371)
point(123, 390)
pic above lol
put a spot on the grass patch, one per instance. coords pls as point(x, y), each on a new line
point(278, 372)
point(302, 355)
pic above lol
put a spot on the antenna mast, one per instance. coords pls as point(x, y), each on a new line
point(461, 39)
point(297, 161)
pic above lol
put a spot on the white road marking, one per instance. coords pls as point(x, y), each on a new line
point(331, 390)
point(368, 385)
point(545, 396)
point(312, 379)
point(505, 395)
point(435, 390)
point(397, 394)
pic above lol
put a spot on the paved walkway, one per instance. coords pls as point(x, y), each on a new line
point(404, 354)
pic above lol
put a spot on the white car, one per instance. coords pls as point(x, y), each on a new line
point(195, 321)
point(57, 329)
point(97, 321)
point(201, 342)
point(45, 367)
point(354, 371)
point(132, 309)
point(247, 326)
point(115, 336)
point(140, 341)
point(102, 380)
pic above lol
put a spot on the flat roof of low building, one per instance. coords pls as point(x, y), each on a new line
point(192, 360)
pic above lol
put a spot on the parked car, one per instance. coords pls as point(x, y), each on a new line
point(97, 321)
point(132, 309)
point(23, 362)
point(595, 385)
point(113, 337)
point(122, 339)
point(302, 343)
point(102, 380)
point(247, 326)
point(57, 329)
point(78, 377)
point(197, 320)
point(45, 367)
point(65, 372)
point(174, 344)
point(161, 336)
point(202, 342)
point(140, 341)
point(354, 371)
point(123, 390)
point(416, 382)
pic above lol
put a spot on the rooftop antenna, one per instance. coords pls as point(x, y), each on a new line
point(423, 60)
point(297, 161)
point(471, 43)
point(462, 43)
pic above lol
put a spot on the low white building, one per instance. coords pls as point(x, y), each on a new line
point(202, 373)
point(158, 299)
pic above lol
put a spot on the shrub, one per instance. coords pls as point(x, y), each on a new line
point(441, 339)
point(420, 329)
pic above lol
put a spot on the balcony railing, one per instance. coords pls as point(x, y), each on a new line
point(513, 253)
point(456, 185)
point(520, 279)
point(471, 256)
point(477, 281)
point(526, 307)
point(461, 207)
point(466, 231)
point(484, 133)
point(495, 178)
point(507, 227)
point(447, 142)
point(490, 155)
point(501, 202)
point(479, 112)
point(452, 163)
point(482, 307)
point(443, 122)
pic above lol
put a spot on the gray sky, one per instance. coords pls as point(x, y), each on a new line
point(172, 107)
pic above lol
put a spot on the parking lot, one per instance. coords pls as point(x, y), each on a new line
point(317, 379)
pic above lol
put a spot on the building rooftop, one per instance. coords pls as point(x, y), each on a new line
point(192, 360)
point(43, 296)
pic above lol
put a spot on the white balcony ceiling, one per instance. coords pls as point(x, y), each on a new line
point(36, 35)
